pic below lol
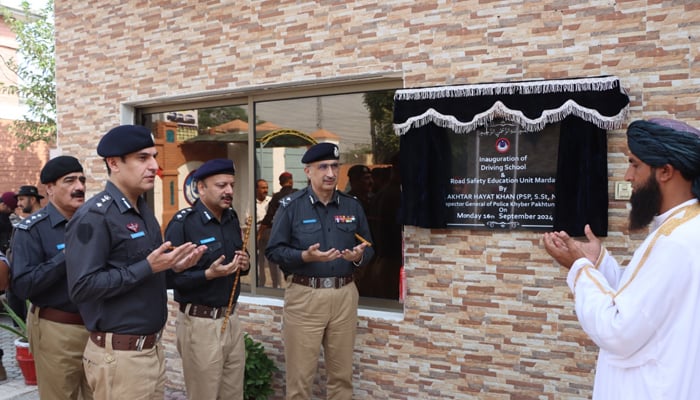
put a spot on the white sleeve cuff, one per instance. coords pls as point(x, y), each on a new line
point(575, 272)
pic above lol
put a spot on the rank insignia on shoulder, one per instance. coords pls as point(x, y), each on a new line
point(285, 201)
point(183, 213)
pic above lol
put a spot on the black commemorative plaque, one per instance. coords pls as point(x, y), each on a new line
point(503, 177)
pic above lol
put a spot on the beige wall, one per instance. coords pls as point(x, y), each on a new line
point(488, 315)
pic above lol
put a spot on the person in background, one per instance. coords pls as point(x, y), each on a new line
point(381, 176)
point(286, 181)
point(115, 264)
point(360, 178)
point(4, 274)
point(381, 277)
point(262, 201)
point(8, 204)
point(319, 237)
point(57, 335)
point(210, 343)
point(28, 200)
point(645, 317)
point(4, 283)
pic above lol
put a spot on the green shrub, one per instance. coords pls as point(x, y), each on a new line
point(19, 327)
point(259, 370)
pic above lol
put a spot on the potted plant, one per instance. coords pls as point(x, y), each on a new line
point(24, 358)
point(259, 370)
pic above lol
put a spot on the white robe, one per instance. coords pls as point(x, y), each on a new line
point(646, 317)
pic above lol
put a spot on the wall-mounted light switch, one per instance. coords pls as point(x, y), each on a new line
point(623, 190)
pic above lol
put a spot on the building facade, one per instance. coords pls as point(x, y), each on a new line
point(19, 167)
point(486, 314)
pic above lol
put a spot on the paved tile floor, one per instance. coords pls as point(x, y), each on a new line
point(13, 388)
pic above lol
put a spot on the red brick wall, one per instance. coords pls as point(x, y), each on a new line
point(20, 167)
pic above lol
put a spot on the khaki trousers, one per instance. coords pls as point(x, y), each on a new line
point(120, 375)
point(58, 355)
point(213, 365)
point(315, 318)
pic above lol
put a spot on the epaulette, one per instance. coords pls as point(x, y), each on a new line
point(101, 203)
point(27, 223)
point(347, 195)
point(288, 199)
point(181, 215)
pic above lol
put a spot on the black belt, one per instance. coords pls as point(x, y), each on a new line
point(335, 282)
point(198, 310)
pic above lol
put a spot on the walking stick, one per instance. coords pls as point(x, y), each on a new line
point(246, 235)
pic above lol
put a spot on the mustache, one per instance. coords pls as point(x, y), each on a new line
point(78, 194)
point(226, 197)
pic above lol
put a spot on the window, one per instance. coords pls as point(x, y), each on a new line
point(282, 125)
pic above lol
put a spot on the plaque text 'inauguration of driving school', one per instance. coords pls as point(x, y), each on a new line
point(503, 178)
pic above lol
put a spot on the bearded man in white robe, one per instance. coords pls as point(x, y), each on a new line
point(645, 317)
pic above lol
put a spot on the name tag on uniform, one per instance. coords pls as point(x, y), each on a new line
point(60, 246)
point(138, 235)
point(309, 221)
point(207, 240)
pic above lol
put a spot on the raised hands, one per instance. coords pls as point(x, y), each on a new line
point(313, 254)
point(179, 258)
point(218, 269)
point(355, 254)
point(565, 250)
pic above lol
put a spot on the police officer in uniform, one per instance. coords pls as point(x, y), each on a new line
point(286, 181)
point(315, 241)
point(213, 363)
point(115, 259)
point(57, 335)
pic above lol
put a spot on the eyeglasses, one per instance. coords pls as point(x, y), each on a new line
point(324, 166)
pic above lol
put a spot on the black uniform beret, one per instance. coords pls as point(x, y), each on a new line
point(29, 190)
point(213, 167)
point(125, 139)
point(320, 152)
point(58, 167)
point(357, 171)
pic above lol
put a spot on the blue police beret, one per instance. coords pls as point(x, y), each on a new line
point(213, 167)
point(58, 167)
point(320, 152)
point(125, 139)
